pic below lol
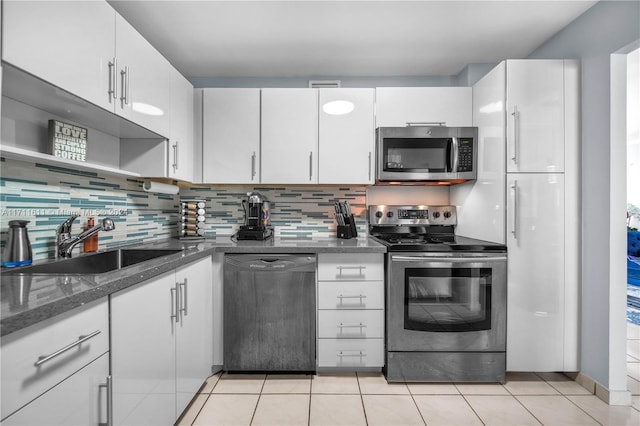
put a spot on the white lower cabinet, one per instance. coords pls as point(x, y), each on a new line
point(55, 372)
point(81, 399)
point(350, 310)
point(161, 344)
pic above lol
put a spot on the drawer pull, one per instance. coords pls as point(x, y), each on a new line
point(359, 268)
point(359, 296)
point(81, 339)
point(351, 325)
point(354, 354)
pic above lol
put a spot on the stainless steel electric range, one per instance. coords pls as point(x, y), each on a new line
point(446, 297)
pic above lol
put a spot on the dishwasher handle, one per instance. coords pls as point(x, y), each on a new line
point(270, 262)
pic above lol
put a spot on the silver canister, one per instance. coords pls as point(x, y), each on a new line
point(17, 251)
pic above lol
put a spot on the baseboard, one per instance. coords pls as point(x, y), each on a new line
point(606, 395)
point(586, 382)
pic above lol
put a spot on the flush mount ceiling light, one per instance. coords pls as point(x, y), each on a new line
point(147, 109)
point(338, 107)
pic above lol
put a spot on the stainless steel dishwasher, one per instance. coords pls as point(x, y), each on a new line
point(269, 312)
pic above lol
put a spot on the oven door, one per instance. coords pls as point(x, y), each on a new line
point(446, 302)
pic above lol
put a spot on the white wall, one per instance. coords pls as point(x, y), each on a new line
point(601, 31)
point(633, 132)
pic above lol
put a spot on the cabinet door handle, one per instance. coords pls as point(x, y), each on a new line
point(81, 339)
point(253, 165)
point(516, 133)
point(174, 304)
point(311, 165)
point(127, 97)
point(175, 156)
point(109, 411)
point(183, 296)
point(369, 165)
point(514, 224)
point(123, 87)
point(112, 80)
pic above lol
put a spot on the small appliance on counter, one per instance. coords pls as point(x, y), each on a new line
point(192, 219)
point(257, 218)
point(17, 252)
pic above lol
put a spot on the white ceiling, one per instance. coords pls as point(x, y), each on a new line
point(208, 38)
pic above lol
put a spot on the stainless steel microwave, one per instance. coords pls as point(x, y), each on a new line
point(426, 153)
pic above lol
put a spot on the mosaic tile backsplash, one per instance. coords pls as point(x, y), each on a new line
point(46, 195)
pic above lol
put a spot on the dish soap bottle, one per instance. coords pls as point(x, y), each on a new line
point(91, 243)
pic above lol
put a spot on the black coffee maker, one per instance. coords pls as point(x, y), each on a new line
point(257, 218)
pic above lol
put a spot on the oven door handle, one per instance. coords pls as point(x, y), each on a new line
point(447, 259)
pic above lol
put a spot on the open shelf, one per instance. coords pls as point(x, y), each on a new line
point(38, 157)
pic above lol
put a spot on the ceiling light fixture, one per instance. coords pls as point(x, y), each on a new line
point(147, 109)
point(338, 107)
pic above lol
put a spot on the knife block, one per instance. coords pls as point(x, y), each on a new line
point(349, 230)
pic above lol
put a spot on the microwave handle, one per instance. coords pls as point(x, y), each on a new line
point(453, 159)
point(426, 123)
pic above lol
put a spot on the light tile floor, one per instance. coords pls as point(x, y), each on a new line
point(367, 399)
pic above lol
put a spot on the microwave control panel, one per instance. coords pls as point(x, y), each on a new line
point(465, 155)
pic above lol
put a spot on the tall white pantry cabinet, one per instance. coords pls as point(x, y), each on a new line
point(527, 114)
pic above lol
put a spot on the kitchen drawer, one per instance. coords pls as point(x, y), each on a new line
point(350, 352)
point(69, 341)
point(351, 295)
point(350, 267)
point(359, 323)
point(80, 399)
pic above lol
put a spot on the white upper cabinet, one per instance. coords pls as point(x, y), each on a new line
point(535, 116)
point(143, 77)
point(181, 142)
point(289, 136)
point(477, 216)
point(89, 50)
point(69, 44)
point(346, 140)
point(231, 136)
point(397, 106)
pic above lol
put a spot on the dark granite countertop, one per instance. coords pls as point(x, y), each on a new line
point(27, 299)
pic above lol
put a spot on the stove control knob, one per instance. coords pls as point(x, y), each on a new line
point(378, 214)
point(436, 214)
point(389, 214)
point(447, 214)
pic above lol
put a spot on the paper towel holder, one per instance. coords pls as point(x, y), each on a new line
point(159, 187)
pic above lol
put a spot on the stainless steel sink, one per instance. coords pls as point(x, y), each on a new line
point(94, 263)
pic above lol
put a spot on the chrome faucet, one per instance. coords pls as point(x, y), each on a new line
point(65, 242)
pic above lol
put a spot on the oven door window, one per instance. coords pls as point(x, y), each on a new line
point(447, 299)
point(416, 155)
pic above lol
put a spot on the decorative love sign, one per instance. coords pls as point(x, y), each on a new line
point(68, 141)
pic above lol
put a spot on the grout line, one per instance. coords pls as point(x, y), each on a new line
point(364, 410)
point(580, 408)
point(201, 408)
point(310, 393)
point(416, 405)
point(464, 397)
point(525, 408)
